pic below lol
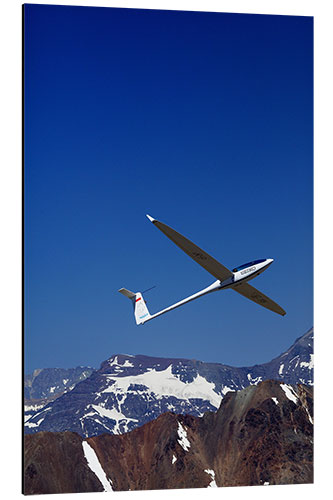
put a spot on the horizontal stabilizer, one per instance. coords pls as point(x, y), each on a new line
point(127, 293)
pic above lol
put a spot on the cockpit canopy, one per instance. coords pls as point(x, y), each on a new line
point(248, 264)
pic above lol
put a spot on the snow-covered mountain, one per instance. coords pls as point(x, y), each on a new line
point(293, 366)
point(45, 385)
point(128, 391)
point(260, 435)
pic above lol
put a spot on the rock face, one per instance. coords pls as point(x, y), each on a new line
point(293, 366)
point(47, 384)
point(54, 463)
point(129, 391)
point(260, 435)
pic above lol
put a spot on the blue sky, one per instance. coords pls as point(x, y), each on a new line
point(202, 120)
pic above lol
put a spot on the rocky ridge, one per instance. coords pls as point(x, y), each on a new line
point(260, 435)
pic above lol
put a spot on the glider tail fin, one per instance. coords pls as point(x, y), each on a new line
point(141, 312)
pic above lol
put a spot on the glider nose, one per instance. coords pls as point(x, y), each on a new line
point(269, 261)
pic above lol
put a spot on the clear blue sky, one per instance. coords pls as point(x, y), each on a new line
point(205, 122)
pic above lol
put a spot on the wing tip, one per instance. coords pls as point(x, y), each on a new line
point(282, 311)
point(150, 218)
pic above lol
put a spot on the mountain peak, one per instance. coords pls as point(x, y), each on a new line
point(130, 390)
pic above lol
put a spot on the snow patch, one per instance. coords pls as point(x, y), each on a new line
point(212, 484)
point(118, 365)
point(225, 390)
point(128, 363)
point(253, 381)
point(114, 361)
point(174, 459)
point(309, 416)
point(164, 383)
point(32, 424)
point(275, 401)
point(98, 412)
point(95, 466)
point(112, 414)
point(289, 392)
point(183, 441)
point(281, 369)
point(309, 364)
point(33, 407)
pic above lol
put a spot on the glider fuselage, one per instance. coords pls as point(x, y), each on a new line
point(246, 272)
point(240, 274)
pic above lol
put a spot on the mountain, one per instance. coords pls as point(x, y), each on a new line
point(45, 385)
point(46, 382)
point(293, 366)
point(129, 391)
point(260, 435)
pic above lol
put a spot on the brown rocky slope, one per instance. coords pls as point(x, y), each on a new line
point(262, 434)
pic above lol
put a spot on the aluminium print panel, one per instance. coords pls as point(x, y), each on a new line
point(203, 122)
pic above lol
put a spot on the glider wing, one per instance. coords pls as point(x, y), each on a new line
point(253, 294)
point(200, 256)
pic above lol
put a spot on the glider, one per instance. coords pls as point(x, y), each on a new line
point(237, 279)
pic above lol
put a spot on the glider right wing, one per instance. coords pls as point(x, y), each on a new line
point(252, 293)
point(200, 256)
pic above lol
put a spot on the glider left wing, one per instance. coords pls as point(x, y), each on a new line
point(253, 294)
point(200, 256)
